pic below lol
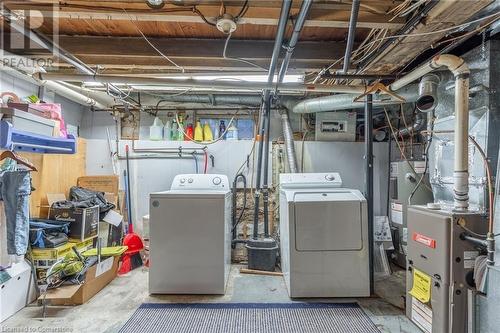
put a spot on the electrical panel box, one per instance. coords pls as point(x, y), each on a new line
point(440, 271)
point(336, 126)
point(404, 177)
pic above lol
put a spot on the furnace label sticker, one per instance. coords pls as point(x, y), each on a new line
point(419, 166)
point(421, 289)
point(396, 213)
point(421, 315)
point(422, 239)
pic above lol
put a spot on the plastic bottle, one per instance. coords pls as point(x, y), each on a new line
point(222, 129)
point(180, 135)
point(156, 130)
point(174, 135)
point(167, 130)
point(189, 133)
point(198, 132)
point(232, 133)
point(207, 133)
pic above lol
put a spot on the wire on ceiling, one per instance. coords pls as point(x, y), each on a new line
point(152, 45)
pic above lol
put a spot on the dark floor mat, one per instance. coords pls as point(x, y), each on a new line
point(250, 317)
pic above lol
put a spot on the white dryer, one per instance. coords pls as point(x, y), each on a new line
point(190, 236)
point(323, 237)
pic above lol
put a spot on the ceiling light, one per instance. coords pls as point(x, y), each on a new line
point(226, 24)
point(156, 4)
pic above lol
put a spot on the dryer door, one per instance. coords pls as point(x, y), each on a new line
point(328, 221)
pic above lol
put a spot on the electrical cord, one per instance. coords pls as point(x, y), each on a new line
point(195, 162)
point(224, 55)
point(152, 45)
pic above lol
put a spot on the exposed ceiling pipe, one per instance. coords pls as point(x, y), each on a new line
point(247, 100)
point(460, 70)
point(345, 101)
point(85, 97)
point(196, 83)
point(55, 49)
point(263, 156)
point(294, 38)
point(353, 21)
point(285, 119)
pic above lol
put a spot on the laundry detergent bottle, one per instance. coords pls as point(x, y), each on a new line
point(198, 132)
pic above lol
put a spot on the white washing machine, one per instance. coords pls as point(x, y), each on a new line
point(323, 237)
point(190, 236)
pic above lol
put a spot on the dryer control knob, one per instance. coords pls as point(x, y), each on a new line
point(217, 181)
point(330, 178)
point(190, 180)
point(183, 180)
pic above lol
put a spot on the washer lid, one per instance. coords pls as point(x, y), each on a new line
point(310, 180)
point(328, 221)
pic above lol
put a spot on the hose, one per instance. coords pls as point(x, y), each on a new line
point(236, 221)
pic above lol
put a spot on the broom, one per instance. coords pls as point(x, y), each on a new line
point(132, 257)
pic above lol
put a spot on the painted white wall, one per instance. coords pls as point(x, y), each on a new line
point(72, 112)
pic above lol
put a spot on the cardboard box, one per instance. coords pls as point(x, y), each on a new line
point(96, 278)
point(83, 221)
point(60, 251)
point(106, 184)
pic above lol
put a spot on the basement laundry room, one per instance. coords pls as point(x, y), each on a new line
point(245, 166)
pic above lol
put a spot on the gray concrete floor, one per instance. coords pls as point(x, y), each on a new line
point(115, 304)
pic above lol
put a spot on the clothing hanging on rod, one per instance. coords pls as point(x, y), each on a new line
point(15, 188)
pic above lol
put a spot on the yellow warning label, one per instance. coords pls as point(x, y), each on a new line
point(421, 288)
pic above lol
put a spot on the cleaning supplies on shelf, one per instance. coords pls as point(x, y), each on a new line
point(198, 132)
point(189, 133)
point(222, 129)
point(167, 130)
point(174, 134)
point(180, 134)
point(232, 133)
point(207, 133)
point(156, 130)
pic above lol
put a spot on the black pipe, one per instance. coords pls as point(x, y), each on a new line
point(369, 180)
point(258, 176)
point(236, 221)
point(265, 187)
point(353, 21)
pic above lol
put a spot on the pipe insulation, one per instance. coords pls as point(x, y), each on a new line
point(289, 145)
point(197, 83)
point(345, 101)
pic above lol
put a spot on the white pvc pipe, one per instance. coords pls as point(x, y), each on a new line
point(73, 95)
point(193, 83)
point(460, 70)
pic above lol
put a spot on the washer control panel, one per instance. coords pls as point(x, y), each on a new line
point(200, 182)
point(306, 180)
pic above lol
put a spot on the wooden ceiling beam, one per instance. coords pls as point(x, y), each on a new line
point(265, 16)
point(189, 48)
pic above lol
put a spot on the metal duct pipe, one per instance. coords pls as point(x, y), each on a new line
point(248, 100)
point(427, 93)
point(344, 101)
point(418, 125)
point(294, 38)
point(289, 146)
point(285, 119)
point(213, 84)
point(353, 21)
point(460, 70)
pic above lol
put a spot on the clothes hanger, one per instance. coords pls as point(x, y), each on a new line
point(379, 87)
point(10, 154)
